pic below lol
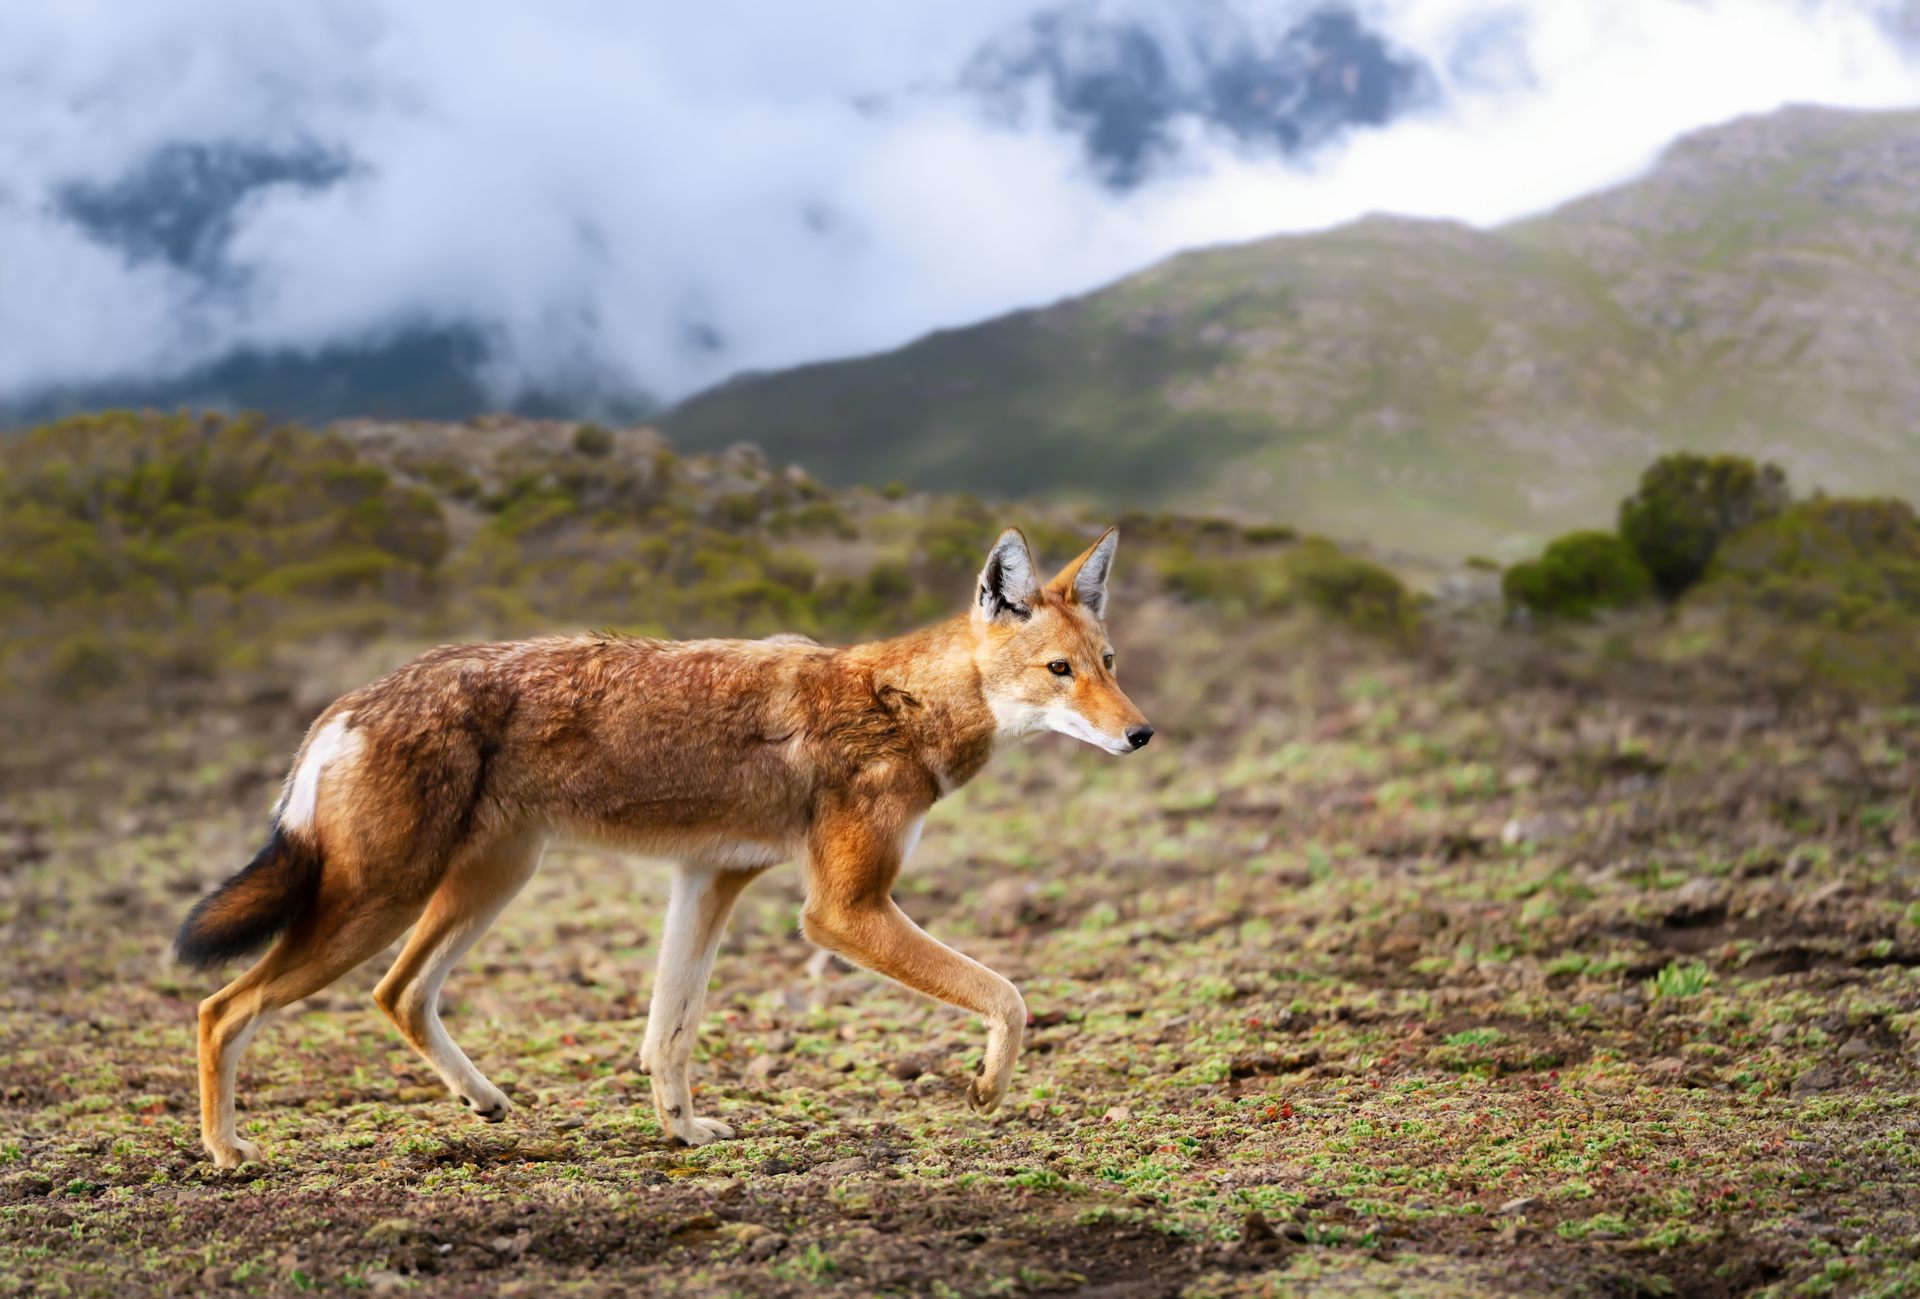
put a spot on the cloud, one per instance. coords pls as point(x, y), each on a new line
point(616, 198)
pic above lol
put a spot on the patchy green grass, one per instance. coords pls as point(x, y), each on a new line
point(1369, 977)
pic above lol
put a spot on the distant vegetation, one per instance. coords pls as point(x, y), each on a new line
point(1579, 575)
point(150, 552)
point(1827, 589)
point(139, 549)
point(1688, 505)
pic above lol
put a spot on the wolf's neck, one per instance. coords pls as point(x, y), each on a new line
point(928, 680)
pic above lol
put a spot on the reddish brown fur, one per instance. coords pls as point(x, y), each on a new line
point(730, 755)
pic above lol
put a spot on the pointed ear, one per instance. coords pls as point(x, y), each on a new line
point(1084, 581)
point(1007, 584)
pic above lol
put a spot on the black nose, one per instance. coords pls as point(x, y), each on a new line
point(1138, 736)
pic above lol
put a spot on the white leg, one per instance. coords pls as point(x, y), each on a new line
point(697, 913)
point(224, 1142)
point(465, 906)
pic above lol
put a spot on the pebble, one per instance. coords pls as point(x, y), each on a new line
point(842, 1167)
point(1820, 1078)
point(1003, 905)
point(1542, 827)
point(764, 1245)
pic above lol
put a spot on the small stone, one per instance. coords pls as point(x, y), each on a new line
point(1820, 1078)
point(1699, 900)
point(1118, 1114)
point(777, 1167)
point(570, 1123)
point(842, 1167)
point(1257, 1235)
point(764, 1245)
point(1540, 827)
point(1779, 1033)
point(906, 1070)
point(1003, 905)
point(1856, 1048)
point(383, 1281)
point(764, 1067)
point(1520, 1205)
point(880, 1154)
point(390, 1231)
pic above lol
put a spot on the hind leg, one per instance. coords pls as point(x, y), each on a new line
point(697, 913)
point(337, 934)
point(473, 893)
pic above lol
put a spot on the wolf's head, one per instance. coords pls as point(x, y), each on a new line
point(1044, 658)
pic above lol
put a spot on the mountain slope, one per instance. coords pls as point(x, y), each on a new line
point(1430, 386)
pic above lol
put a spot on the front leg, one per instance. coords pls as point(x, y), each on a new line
point(697, 911)
point(850, 910)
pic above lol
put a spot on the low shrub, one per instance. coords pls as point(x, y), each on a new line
point(592, 440)
point(1315, 574)
point(1577, 576)
point(1687, 505)
point(1349, 589)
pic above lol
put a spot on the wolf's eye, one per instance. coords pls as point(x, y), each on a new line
point(1108, 660)
point(1060, 668)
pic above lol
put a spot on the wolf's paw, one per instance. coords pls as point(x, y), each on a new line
point(982, 1096)
point(489, 1103)
point(233, 1154)
point(701, 1132)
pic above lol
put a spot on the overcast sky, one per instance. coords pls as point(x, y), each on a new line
point(654, 195)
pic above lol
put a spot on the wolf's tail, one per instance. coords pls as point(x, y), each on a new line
point(244, 913)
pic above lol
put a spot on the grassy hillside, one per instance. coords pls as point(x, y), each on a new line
point(1425, 385)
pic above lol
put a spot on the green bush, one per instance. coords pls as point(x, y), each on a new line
point(737, 509)
point(83, 664)
point(1315, 574)
point(1850, 564)
point(361, 568)
point(1349, 589)
point(1824, 596)
point(1687, 505)
point(890, 582)
point(592, 440)
point(1577, 576)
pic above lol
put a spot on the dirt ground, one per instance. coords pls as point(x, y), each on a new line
point(1368, 977)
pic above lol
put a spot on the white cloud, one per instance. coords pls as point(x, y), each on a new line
point(590, 182)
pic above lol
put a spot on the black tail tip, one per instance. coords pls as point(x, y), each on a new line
point(247, 911)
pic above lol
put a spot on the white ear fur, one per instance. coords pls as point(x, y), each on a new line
point(1007, 585)
point(1090, 582)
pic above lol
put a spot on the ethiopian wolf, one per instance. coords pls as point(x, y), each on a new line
point(426, 799)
